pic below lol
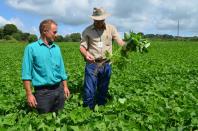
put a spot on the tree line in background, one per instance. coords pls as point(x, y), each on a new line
point(169, 37)
point(11, 32)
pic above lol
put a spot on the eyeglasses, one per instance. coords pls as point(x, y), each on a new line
point(54, 32)
point(98, 21)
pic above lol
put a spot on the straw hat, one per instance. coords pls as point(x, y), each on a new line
point(99, 14)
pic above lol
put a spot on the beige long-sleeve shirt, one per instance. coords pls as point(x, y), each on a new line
point(97, 42)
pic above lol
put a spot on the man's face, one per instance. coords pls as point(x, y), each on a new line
point(51, 33)
point(99, 24)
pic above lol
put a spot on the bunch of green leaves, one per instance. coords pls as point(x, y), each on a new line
point(134, 42)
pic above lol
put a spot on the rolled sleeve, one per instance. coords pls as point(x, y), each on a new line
point(115, 34)
point(84, 40)
point(27, 64)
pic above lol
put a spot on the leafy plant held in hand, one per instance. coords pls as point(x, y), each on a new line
point(134, 43)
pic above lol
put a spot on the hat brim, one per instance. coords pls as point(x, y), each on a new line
point(102, 17)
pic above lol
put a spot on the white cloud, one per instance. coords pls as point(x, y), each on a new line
point(71, 12)
point(142, 15)
point(3, 21)
point(19, 24)
point(15, 21)
point(34, 30)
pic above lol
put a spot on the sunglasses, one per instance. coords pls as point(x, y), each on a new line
point(98, 21)
point(54, 32)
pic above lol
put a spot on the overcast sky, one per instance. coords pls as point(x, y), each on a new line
point(147, 16)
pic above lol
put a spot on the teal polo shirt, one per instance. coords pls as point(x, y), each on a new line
point(42, 64)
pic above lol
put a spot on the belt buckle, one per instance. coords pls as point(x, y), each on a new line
point(99, 60)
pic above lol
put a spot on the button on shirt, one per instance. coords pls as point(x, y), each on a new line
point(91, 38)
point(43, 64)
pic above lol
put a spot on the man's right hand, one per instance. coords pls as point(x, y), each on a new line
point(89, 57)
point(31, 101)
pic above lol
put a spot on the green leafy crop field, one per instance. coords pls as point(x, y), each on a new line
point(153, 91)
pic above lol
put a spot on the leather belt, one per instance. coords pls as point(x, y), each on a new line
point(101, 60)
point(48, 87)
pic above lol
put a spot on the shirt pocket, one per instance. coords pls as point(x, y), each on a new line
point(108, 40)
point(56, 69)
point(39, 64)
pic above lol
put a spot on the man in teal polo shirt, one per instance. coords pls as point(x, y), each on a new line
point(43, 67)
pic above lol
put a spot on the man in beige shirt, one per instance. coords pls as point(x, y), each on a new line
point(96, 41)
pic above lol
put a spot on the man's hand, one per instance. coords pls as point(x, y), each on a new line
point(89, 57)
point(121, 42)
point(31, 100)
point(30, 97)
point(66, 91)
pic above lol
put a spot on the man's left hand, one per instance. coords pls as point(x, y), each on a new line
point(67, 92)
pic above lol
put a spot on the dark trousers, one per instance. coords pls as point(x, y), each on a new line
point(49, 99)
point(96, 84)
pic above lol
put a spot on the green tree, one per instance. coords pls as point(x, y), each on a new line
point(25, 36)
point(9, 29)
point(8, 37)
point(59, 38)
point(32, 38)
point(67, 38)
point(1, 33)
point(17, 36)
point(76, 37)
point(149, 36)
